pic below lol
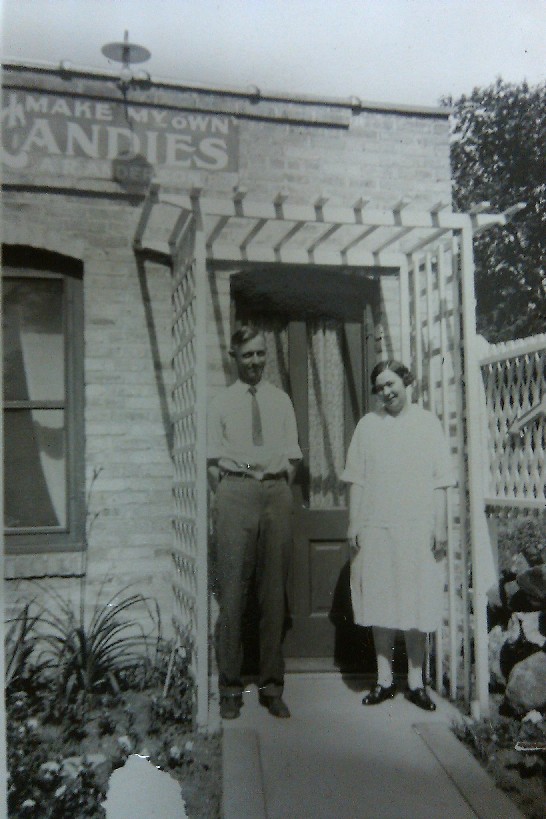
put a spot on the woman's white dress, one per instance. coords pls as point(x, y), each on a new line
point(398, 461)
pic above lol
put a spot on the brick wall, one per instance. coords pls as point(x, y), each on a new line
point(380, 157)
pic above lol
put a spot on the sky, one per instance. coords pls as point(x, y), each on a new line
point(395, 51)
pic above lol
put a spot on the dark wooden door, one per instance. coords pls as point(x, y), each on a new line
point(320, 622)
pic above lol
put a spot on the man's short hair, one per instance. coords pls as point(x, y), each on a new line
point(396, 367)
point(245, 333)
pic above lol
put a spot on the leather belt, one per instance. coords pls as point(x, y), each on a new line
point(269, 476)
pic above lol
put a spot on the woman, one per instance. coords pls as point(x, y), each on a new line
point(398, 468)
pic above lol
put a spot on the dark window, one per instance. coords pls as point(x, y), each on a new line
point(43, 403)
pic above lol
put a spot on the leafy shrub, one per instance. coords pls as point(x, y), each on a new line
point(106, 724)
point(489, 737)
point(525, 537)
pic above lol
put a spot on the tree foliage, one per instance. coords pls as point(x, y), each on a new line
point(497, 156)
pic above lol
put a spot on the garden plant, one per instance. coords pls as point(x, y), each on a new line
point(511, 743)
point(83, 694)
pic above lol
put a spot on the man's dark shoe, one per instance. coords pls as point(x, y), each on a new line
point(275, 705)
point(379, 694)
point(230, 707)
point(420, 698)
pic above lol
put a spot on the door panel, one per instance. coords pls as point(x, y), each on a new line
point(320, 552)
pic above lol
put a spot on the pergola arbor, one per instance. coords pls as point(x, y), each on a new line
point(430, 251)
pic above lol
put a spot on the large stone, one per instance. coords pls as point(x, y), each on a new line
point(494, 600)
point(533, 583)
point(532, 624)
point(526, 687)
point(516, 646)
point(513, 631)
point(516, 600)
point(519, 563)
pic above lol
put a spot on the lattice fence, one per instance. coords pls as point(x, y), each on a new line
point(514, 382)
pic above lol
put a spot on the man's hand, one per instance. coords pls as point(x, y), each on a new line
point(352, 538)
point(439, 547)
point(213, 474)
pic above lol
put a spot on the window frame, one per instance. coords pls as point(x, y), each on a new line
point(27, 263)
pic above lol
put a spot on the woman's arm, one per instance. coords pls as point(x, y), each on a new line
point(439, 544)
point(356, 493)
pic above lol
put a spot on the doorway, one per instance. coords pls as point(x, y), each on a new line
point(319, 327)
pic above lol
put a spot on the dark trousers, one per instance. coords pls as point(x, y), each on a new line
point(254, 534)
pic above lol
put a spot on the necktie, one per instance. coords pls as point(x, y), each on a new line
point(257, 434)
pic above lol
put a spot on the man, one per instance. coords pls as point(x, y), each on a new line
point(253, 451)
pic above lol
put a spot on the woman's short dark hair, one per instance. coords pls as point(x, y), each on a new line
point(245, 333)
point(396, 367)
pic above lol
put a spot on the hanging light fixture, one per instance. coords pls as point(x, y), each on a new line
point(128, 54)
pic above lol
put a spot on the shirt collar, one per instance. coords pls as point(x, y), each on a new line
point(243, 387)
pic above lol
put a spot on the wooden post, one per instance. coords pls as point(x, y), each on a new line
point(461, 473)
point(480, 541)
point(203, 624)
point(414, 264)
point(444, 354)
point(405, 346)
point(3, 749)
point(430, 323)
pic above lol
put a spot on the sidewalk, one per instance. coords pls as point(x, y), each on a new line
point(336, 759)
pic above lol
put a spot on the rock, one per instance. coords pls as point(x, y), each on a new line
point(533, 583)
point(526, 687)
point(496, 641)
point(516, 647)
point(140, 791)
point(519, 563)
point(535, 717)
point(494, 600)
point(513, 631)
point(531, 623)
point(511, 590)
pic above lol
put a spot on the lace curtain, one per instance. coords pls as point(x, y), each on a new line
point(326, 414)
point(325, 384)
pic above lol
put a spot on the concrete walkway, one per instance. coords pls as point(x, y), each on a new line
point(337, 759)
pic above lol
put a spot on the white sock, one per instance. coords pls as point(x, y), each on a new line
point(415, 648)
point(384, 649)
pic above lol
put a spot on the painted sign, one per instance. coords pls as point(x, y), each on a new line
point(53, 134)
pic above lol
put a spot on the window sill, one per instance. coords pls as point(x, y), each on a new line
point(50, 564)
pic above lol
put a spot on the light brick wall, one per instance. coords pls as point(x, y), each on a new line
point(380, 157)
point(130, 541)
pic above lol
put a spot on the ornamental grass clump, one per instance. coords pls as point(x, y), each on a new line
point(88, 656)
point(20, 642)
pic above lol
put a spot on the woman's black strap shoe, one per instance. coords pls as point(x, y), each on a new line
point(379, 694)
point(420, 698)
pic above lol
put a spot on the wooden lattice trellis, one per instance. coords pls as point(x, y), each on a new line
point(432, 252)
point(514, 383)
point(435, 335)
point(189, 520)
